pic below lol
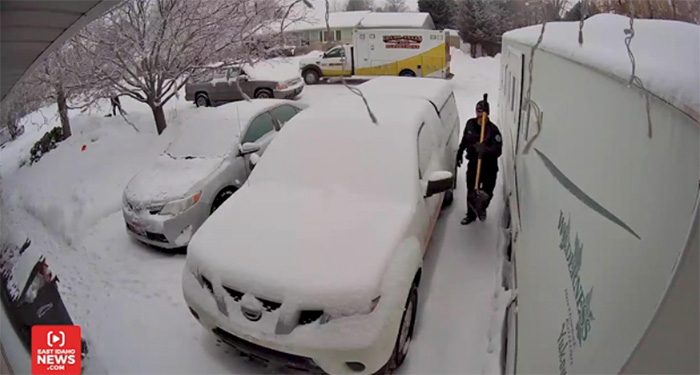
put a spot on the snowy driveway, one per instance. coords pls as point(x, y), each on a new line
point(128, 297)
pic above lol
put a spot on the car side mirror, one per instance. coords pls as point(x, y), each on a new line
point(254, 159)
point(439, 182)
point(244, 78)
point(277, 125)
point(248, 148)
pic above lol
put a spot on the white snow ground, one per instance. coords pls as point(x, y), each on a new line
point(127, 296)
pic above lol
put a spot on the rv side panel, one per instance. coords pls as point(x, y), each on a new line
point(671, 344)
point(604, 215)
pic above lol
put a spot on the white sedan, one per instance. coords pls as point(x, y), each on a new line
point(208, 161)
point(315, 263)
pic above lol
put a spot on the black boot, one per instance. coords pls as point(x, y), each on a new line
point(482, 215)
point(468, 219)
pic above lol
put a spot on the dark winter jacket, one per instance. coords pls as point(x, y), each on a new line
point(492, 140)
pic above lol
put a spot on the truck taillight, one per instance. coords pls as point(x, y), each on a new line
point(41, 278)
point(45, 272)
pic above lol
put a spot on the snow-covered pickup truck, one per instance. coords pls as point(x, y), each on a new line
point(315, 262)
point(263, 80)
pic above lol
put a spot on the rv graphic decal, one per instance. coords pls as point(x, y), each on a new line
point(580, 195)
point(573, 254)
point(402, 41)
point(574, 258)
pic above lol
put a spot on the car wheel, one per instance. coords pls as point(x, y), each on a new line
point(405, 336)
point(221, 198)
point(407, 73)
point(202, 100)
point(263, 94)
point(310, 77)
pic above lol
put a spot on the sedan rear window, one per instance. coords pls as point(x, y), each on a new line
point(262, 125)
point(283, 113)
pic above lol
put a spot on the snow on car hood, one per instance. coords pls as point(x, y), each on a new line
point(325, 248)
point(168, 179)
point(311, 57)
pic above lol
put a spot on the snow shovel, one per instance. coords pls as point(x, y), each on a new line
point(477, 200)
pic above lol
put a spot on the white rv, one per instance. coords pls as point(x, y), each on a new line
point(375, 52)
point(602, 181)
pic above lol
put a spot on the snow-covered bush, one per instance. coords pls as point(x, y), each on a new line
point(45, 144)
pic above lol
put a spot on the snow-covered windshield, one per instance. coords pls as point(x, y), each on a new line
point(338, 148)
point(207, 136)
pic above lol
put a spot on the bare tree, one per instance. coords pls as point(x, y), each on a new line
point(532, 12)
point(482, 22)
point(337, 6)
point(554, 9)
point(54, 81)
point(681, 10)
point(353, 5)
point(395, 6)
point(22, 100)
point(147, 49)
point(290, 16)
point(441, 11)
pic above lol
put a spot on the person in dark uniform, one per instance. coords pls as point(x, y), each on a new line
point(116, 104)
point(489, 150)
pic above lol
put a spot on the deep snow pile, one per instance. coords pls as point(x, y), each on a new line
point(69, 189)
point(128, 297)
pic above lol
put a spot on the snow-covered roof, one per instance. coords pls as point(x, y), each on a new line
point(397, 20)
point(345, 19)
point(667, 53)
point(317, 21)
point(435, 90)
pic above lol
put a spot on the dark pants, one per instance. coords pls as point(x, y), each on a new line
point(487, 182)
point(116, 105)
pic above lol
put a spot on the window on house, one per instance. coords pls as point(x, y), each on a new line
point(338, 35)
point(321, 36)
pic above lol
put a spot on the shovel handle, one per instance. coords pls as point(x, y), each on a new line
point(478, 165)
